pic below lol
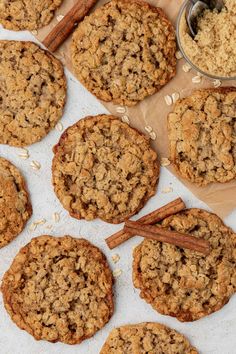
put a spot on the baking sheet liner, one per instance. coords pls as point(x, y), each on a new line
point(153, 111)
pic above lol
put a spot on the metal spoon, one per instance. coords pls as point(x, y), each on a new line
point(194, 9)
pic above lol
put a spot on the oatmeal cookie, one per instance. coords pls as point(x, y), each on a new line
point(202, 135)
point(124, 51)
point(59, 289)
point(146, 338)
point(27, 14)
point(104, 168)
point(15, 206)
point(32, 92)
point(182, 283)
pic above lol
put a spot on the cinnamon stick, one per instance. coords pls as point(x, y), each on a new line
point(164, 235)
point(64, 28)
point(160, 214)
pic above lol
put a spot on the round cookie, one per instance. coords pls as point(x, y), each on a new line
point(124, 51)
point(15, 206)
point(32, 92)
point(104, 168)
point(202, 136)
point(146, 338)
point(27, 14)
point(59, 289)
point(182, 283)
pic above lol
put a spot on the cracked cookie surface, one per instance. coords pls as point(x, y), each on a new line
point(27, 14)
point(124, 51)
point(146, 338)
point(32, 92)
point(59, 289)
point(202, 135)
point(182, 283)
point(15, 206)
point(104, 168)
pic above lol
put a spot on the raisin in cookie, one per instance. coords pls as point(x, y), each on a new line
point(104, 168)
point(32, 92)
point(146, 338)
point(59, 289)
point(27, 14)
point(15, 206)
point(202, 135)
point(124, 51)
point(183, 283)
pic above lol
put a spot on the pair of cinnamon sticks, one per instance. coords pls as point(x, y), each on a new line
point(145, 227)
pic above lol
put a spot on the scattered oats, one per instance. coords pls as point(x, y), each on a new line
point(186, 67)
point(59, 127)
point(33, 227)
point(178, 55)
point(196, 79)
point(40, 222)
point(167, 190)
point(153, 135)
point(175, 96)
point(24, 155)
point(168, 100)
point(35, 165)
point(125, 119)
point(56, 217)
point(117, 273)
point(148, 129)
point(217, 83)
point(34, 32)
point(165, 162)
point(121, 110)
point(49, 227)
point(60, 17)
point(199, 74)
point(115, 258)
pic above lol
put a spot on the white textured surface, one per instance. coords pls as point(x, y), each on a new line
point(214, 334)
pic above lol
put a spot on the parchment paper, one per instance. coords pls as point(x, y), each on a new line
point(153, 111)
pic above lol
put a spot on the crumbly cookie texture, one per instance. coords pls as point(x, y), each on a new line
point(104, 168)
point(202, 135)
point(15, 206)
point(146, 338)
point(182, 283)
point(27, 14)
point(32, 92)
point(213, 50)
point(59, 289)
point(124, 51)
